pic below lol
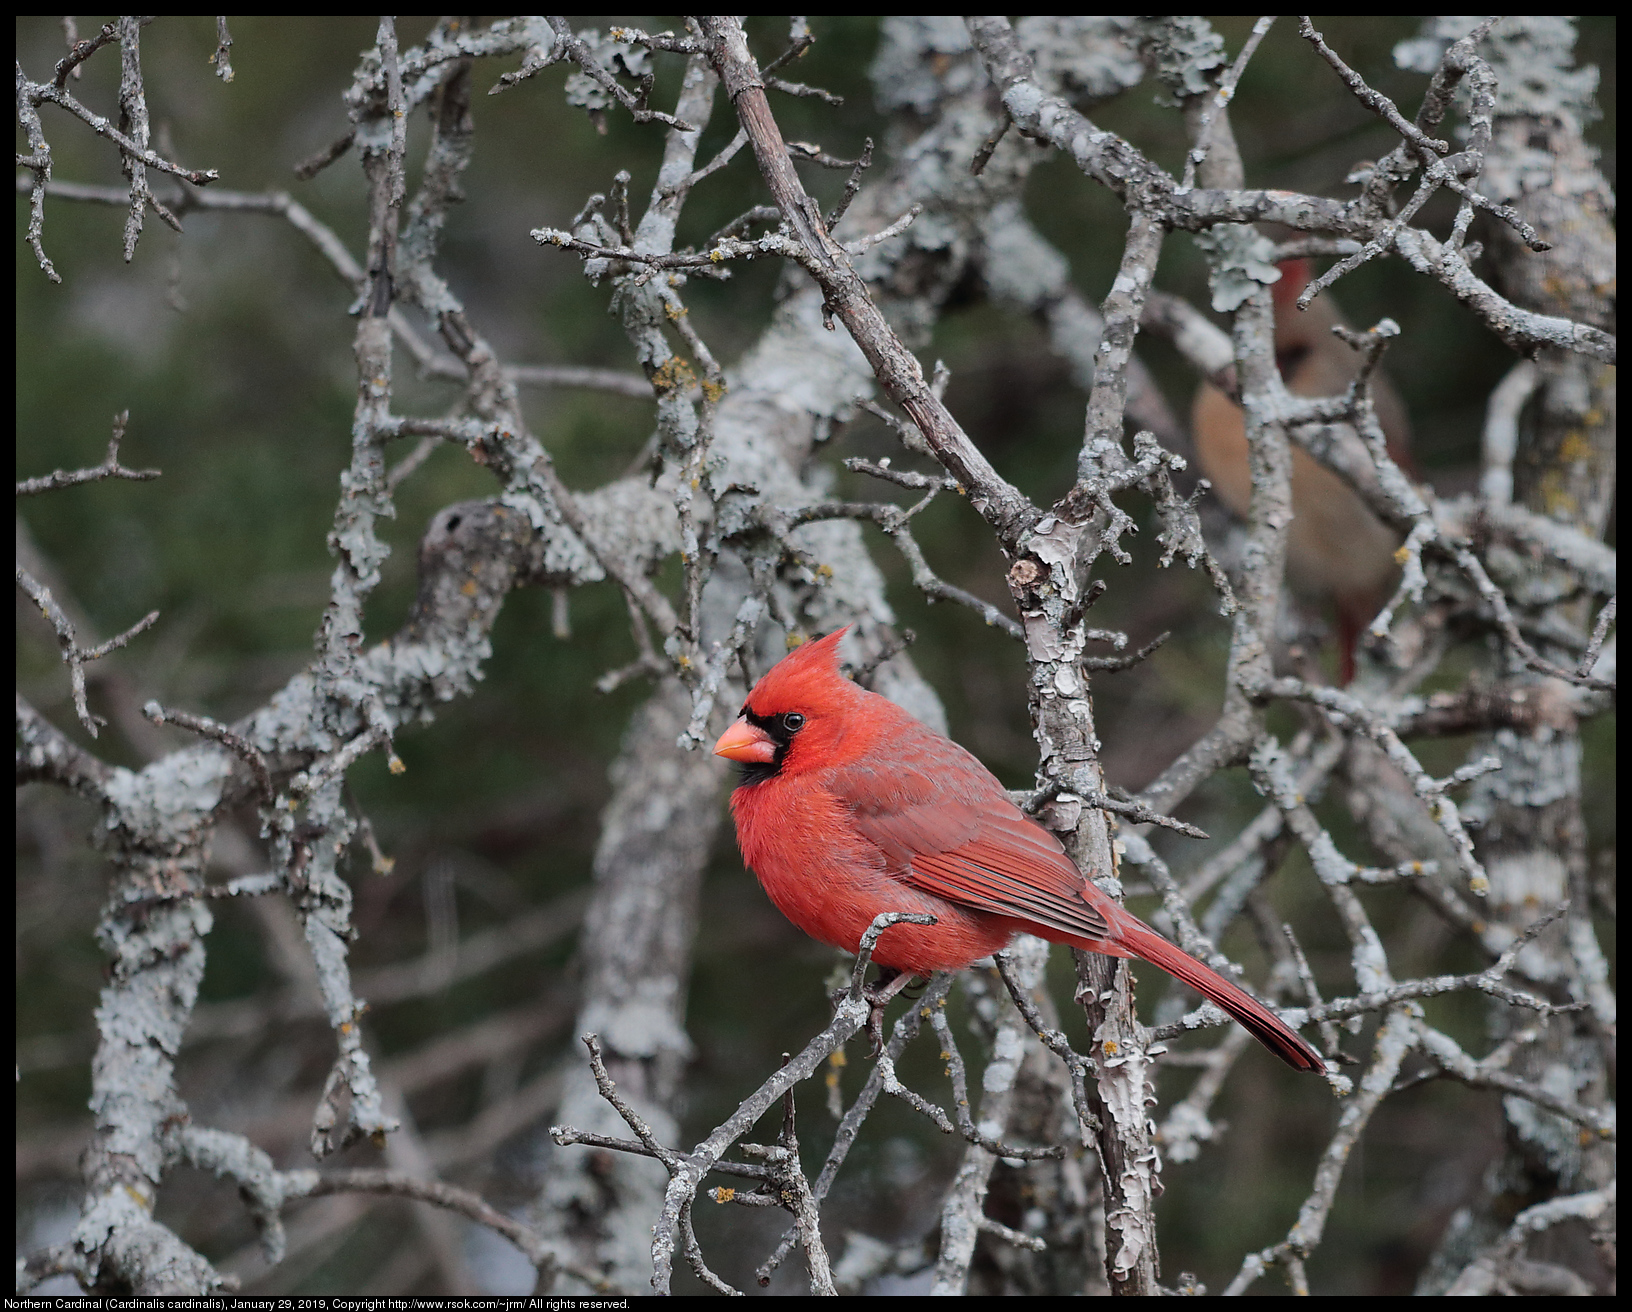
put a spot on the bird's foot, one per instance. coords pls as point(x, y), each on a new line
point(879, 995)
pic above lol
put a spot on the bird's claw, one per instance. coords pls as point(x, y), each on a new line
point(879, 994)
point(875, 1024)
point(875, 1015)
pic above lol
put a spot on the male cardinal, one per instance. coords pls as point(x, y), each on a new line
point(1336, 547)
point(849, 807)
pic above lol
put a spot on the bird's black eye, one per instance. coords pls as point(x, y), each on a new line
point(793, 722)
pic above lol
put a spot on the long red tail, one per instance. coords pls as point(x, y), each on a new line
point(1263, 1024)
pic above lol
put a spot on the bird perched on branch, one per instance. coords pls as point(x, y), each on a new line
point(849, 808)
point(1336, 547)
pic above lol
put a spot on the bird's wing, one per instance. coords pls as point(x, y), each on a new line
point(945, 826)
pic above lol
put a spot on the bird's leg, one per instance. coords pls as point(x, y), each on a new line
point(890, 981)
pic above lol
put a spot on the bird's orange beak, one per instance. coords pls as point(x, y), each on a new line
point(743, 742)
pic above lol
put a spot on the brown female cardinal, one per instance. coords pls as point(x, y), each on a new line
point(1336, 547)
point(849, 807)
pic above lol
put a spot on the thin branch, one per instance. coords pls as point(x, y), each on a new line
point(397, 1184)
point(109, 468)
point(1077, 1066)
point(897, 370)
point(236, 743)
point(47, 754)
point(74, 656)
point(852, 185)
point(1595, 647)
point(1219, 98)
point(569, 46)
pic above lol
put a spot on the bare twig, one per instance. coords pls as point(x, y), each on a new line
point(109, 468)
point(73, 655)
point(236, 743)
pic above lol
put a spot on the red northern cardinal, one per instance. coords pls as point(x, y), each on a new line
point(849, 807)
point(1336, 547)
